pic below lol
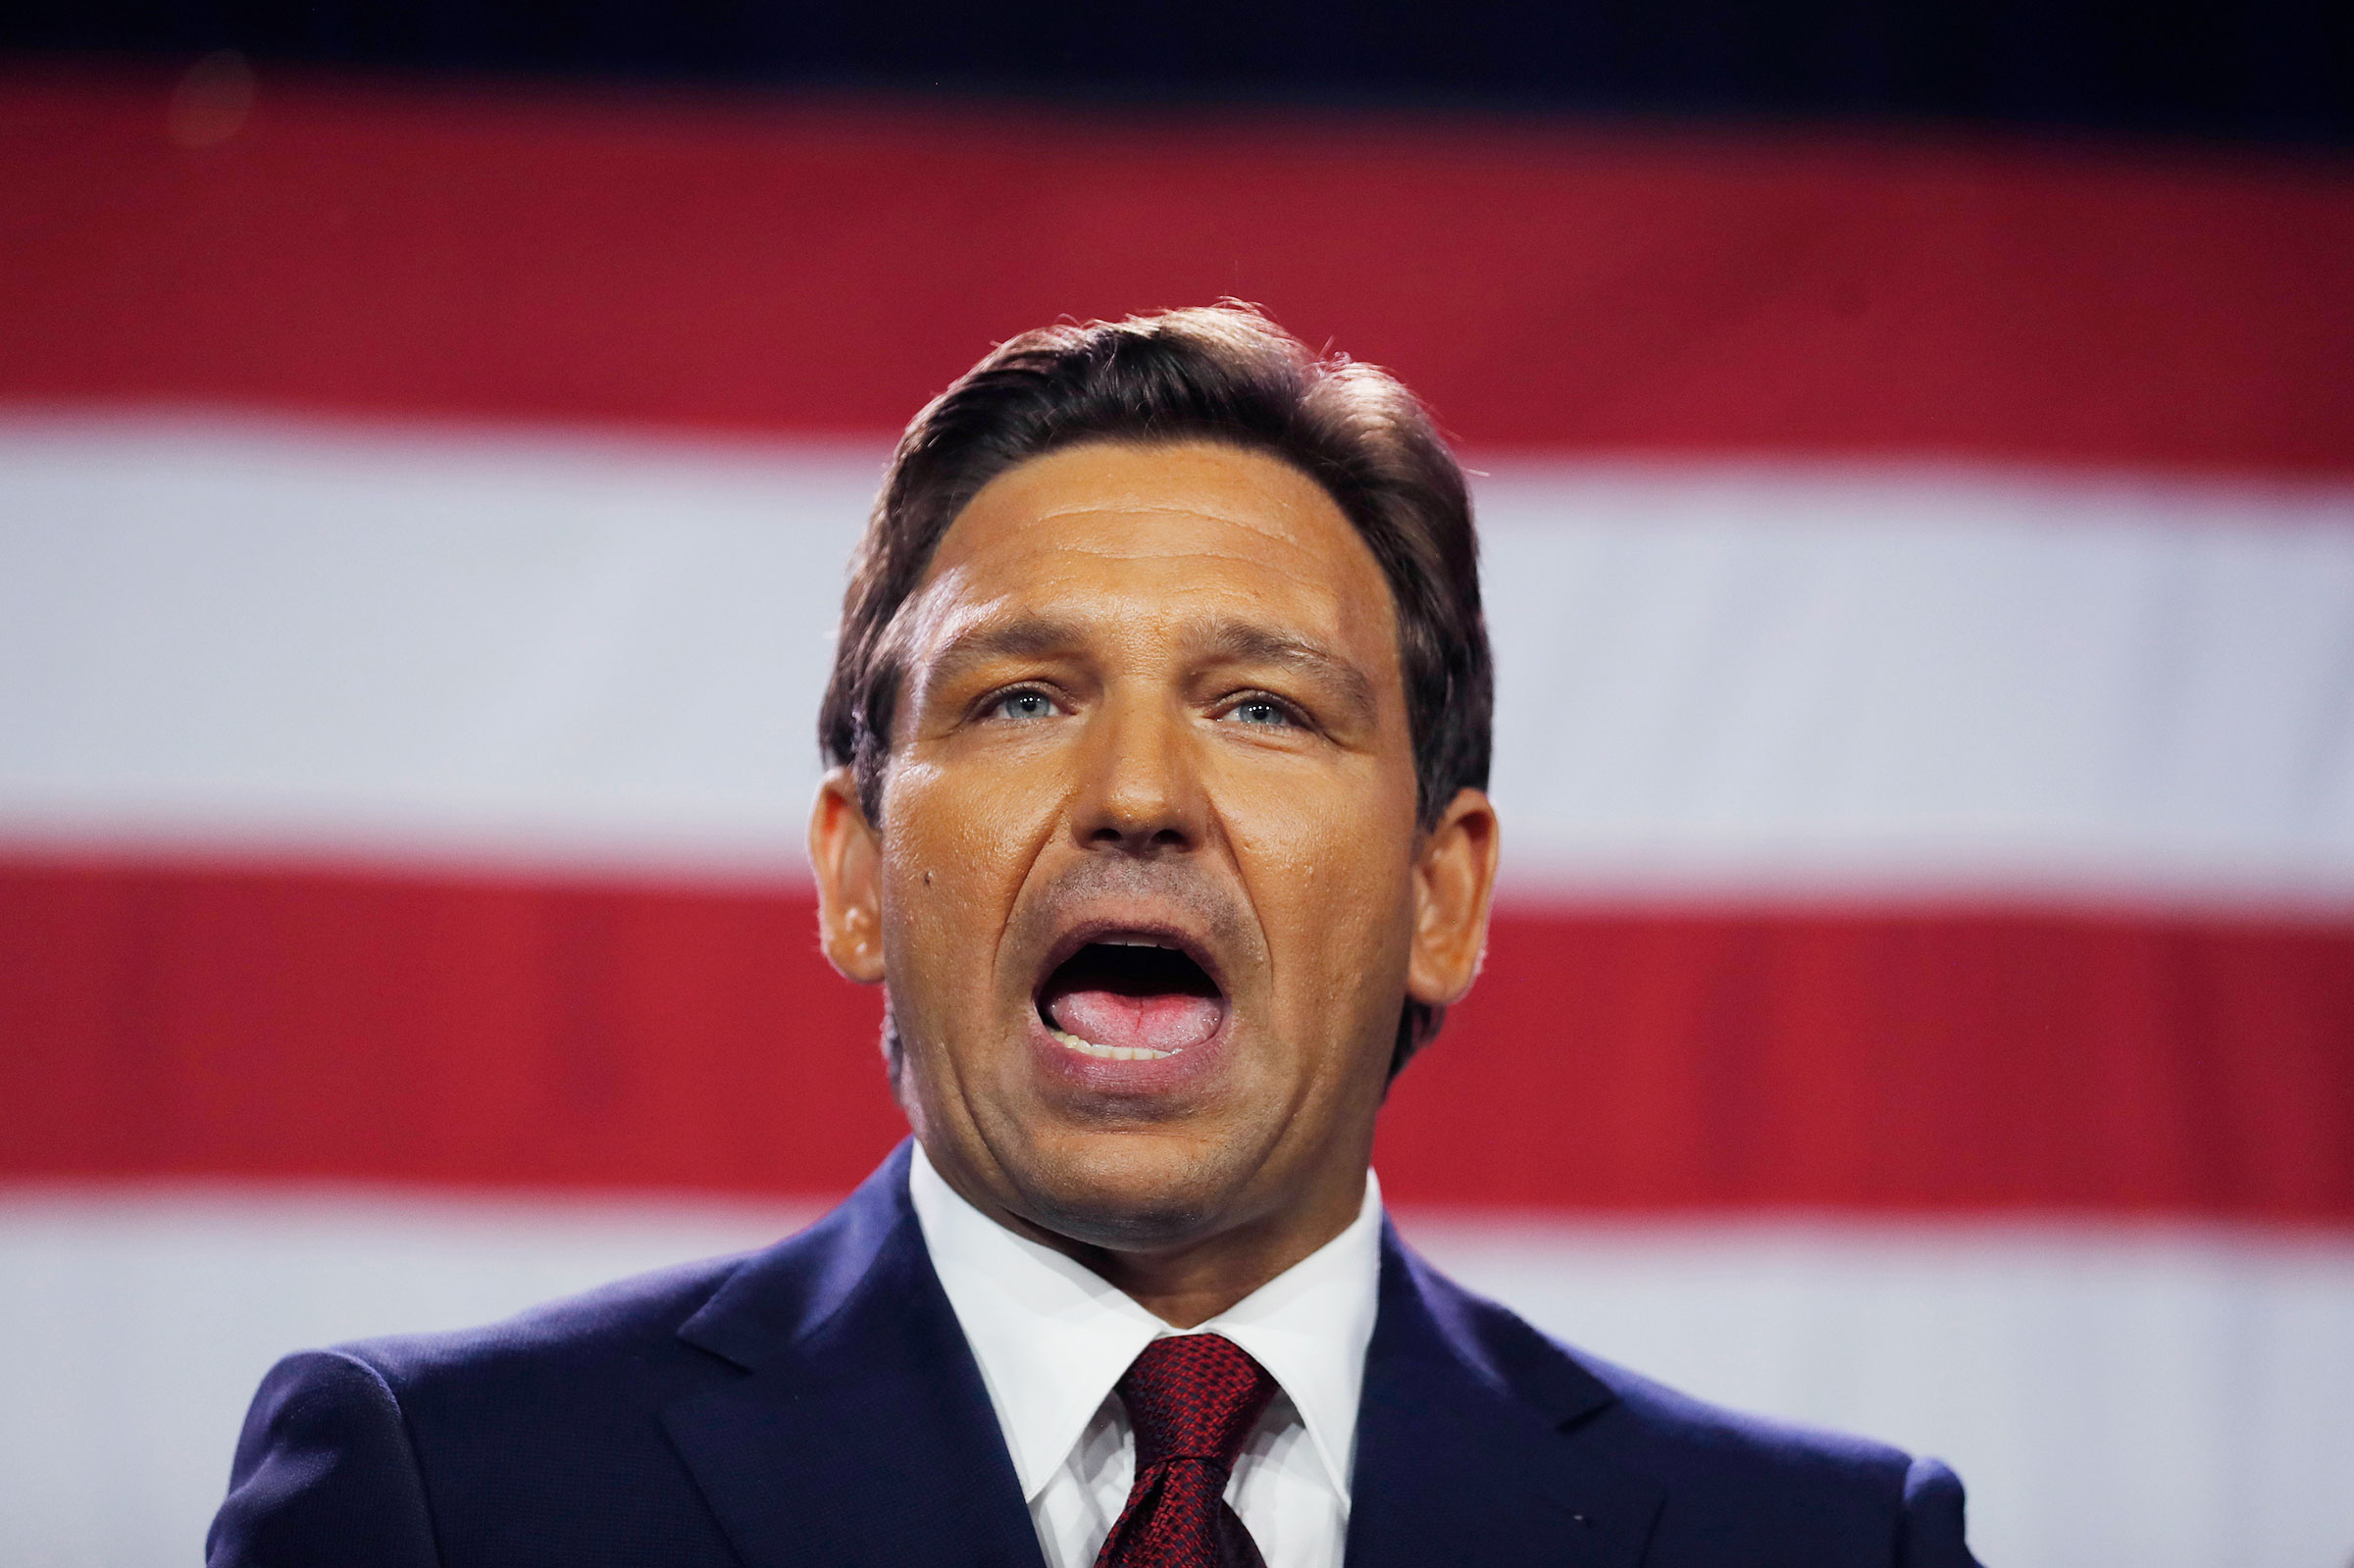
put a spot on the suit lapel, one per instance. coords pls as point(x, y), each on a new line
point(1474, 1441)
point(861, 1433)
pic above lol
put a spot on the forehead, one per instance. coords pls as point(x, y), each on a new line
point(1185, 525)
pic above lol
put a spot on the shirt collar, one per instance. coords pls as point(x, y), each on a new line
point(1052, 1337)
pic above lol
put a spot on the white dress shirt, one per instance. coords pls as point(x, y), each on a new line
point(1052, 1337)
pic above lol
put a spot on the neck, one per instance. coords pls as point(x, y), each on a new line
point(1187, 1283)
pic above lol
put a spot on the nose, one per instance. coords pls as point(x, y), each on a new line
point(1140, 789)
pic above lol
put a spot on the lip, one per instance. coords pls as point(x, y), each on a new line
point(1167, 934)
point(1143, 1079)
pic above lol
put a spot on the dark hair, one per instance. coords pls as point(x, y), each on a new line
point(1220, 373)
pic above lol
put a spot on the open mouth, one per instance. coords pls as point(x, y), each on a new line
point(1130, 999)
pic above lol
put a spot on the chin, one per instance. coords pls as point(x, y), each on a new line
point(1134, 1192)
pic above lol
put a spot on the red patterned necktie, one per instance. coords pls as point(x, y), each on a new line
point(1192, 1401)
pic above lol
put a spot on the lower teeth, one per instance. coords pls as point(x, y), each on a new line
point(1109, 1053)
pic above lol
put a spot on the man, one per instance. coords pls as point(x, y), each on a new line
point(1160, 730)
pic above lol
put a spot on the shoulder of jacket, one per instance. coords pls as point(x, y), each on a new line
point(1674, 1429)
point(628, 1316)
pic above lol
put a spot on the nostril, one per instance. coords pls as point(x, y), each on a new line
point(1114, 835)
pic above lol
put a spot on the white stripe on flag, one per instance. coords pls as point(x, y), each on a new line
point(1714, 679)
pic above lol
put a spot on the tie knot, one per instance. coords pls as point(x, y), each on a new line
point(1193, 1396)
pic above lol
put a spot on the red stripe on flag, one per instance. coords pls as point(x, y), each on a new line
point(1893, 1059)
point(787, 265)
point(252, 1023)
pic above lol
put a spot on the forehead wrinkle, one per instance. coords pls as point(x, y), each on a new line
point(1142, 508)
point(972, 637)
point(1309, 577)
point(1282, 530)
point(1263, 510)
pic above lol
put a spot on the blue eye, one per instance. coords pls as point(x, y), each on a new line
point(1025, 705)
point(1260, 711)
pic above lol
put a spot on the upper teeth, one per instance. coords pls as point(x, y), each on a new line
point(1110, 1053)
point(1134, 942)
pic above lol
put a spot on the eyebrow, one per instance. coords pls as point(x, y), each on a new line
point(1239, 643)
point(1028, 637)
point(1223, 641)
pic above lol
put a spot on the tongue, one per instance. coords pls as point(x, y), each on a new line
point(1160, 1021)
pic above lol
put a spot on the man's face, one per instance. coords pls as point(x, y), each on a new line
point(1146, 883)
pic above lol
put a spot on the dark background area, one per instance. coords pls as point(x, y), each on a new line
point(2274, 70)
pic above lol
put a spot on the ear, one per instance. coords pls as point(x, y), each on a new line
point(1455, 877)
point(847, 856)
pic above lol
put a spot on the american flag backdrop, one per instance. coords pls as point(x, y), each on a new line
point(1922, 572)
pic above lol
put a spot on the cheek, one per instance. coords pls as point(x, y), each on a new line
point(956, 845)
point(1332, 880)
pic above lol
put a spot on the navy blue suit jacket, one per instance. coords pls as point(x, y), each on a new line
point(816, 1403)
